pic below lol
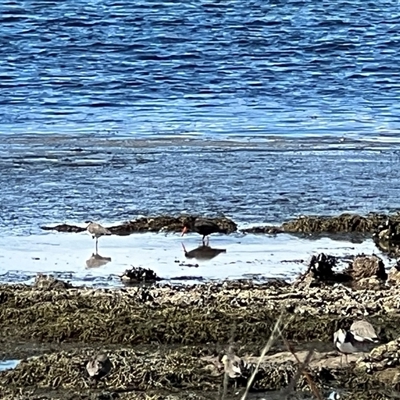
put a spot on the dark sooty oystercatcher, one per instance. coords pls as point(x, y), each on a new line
point(202, 226)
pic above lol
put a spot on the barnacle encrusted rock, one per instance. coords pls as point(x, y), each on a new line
point(367, 266)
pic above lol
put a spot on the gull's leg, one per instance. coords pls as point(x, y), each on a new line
point(97, 244)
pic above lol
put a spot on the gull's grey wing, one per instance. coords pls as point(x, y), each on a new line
point(363, 331)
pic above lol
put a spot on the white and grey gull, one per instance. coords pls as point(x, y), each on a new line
point(356, 339)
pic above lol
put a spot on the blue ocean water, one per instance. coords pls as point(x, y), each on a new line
point(253, 109)
point(211, 68)
point(258, 110)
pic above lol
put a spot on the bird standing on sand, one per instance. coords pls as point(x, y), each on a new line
point(354, 340)
point(99, 366)
point(202, 226)
point(96, 230)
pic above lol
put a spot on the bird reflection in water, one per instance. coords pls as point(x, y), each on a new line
point(96, 260)
point(203, 252)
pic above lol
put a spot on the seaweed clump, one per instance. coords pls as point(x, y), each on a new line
point(139, 275)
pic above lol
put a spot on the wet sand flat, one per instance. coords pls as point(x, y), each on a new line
point(247, 256)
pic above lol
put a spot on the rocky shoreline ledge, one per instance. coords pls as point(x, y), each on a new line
point(164, 341)
point(383, 228)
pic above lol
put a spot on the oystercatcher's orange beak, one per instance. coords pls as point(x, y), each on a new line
point(184, 230)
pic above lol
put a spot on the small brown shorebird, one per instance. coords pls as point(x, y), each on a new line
point(96, 230)
point(233, 365)
point(202, 226)
point(355, 340)
point(99, 366)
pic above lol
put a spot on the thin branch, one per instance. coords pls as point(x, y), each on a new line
point(299, 371)
point(302, 366)
point(267, 347)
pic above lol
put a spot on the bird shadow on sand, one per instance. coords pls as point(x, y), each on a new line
point(96, 260)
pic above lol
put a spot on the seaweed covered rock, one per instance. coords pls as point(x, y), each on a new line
point(267, 229)
point(132, 370)
point(190, 368)
point(64, 228)
point(163, 223)
point(49, 282)
point(367, 266)
point(172, 314)
point(171, 339)
point(341, 223)
point(139, 275)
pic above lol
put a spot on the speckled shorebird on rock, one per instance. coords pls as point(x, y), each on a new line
point(96, 231)
point(233, 365)
point(355, 340)
point(99, 366)
point(203, 226)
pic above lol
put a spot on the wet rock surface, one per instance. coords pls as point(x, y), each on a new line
point(151, 224)
point(164, 338)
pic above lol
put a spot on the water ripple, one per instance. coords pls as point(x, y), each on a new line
point(204, 67)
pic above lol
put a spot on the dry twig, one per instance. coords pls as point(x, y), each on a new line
point(301, 369)
point(271, 340)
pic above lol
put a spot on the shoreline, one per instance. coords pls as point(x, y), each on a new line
point(256, 252)
point(166, 339)
point(260, 142)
